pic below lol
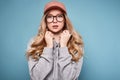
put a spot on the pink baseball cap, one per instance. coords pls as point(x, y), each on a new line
point(54, 5)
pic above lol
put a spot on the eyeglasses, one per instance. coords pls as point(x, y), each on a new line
point(50, 18)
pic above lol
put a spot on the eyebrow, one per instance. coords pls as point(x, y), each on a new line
point(55, 15)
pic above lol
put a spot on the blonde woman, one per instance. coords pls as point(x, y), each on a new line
point(56, 52)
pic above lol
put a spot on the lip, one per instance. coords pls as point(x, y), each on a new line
point(55, 26)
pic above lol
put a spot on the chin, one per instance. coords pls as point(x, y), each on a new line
point(55, 32)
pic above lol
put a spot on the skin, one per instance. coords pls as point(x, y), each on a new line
point(60, 36)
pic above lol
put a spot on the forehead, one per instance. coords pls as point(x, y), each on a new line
point(55, 12)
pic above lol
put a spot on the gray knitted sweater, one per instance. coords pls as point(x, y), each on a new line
point(54, 64)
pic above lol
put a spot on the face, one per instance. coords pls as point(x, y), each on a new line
point(55, 21)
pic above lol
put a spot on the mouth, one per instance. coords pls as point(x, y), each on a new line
point(55, 26)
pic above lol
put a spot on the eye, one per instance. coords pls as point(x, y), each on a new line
point(60, 15)
point(49, 16)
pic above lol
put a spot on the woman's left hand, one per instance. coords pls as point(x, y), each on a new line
point(64, 37)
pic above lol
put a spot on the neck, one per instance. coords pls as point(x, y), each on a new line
point(57, 36)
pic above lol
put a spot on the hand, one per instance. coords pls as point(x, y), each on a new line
point(49, 39)
point(64, 37)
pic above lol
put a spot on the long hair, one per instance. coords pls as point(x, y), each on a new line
point(75, 43)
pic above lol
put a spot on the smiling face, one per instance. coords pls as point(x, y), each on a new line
point(55, 21)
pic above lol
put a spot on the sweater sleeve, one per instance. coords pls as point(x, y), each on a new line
point(68, 69)
point(40, 69)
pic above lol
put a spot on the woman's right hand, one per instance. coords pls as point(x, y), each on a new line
point(49, 39)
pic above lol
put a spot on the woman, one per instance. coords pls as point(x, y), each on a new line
point(56, 53)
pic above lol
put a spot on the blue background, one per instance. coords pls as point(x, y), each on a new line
point(98, 21)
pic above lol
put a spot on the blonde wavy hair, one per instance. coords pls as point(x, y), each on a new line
point(75, 43)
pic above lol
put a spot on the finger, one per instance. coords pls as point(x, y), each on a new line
point(47, 32)
point(64, 32)
point(67, 31)
point(50, 33)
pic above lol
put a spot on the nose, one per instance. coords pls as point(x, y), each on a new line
point(54, 20)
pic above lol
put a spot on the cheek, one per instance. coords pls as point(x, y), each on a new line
point(49, 26)
point(62, 25)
